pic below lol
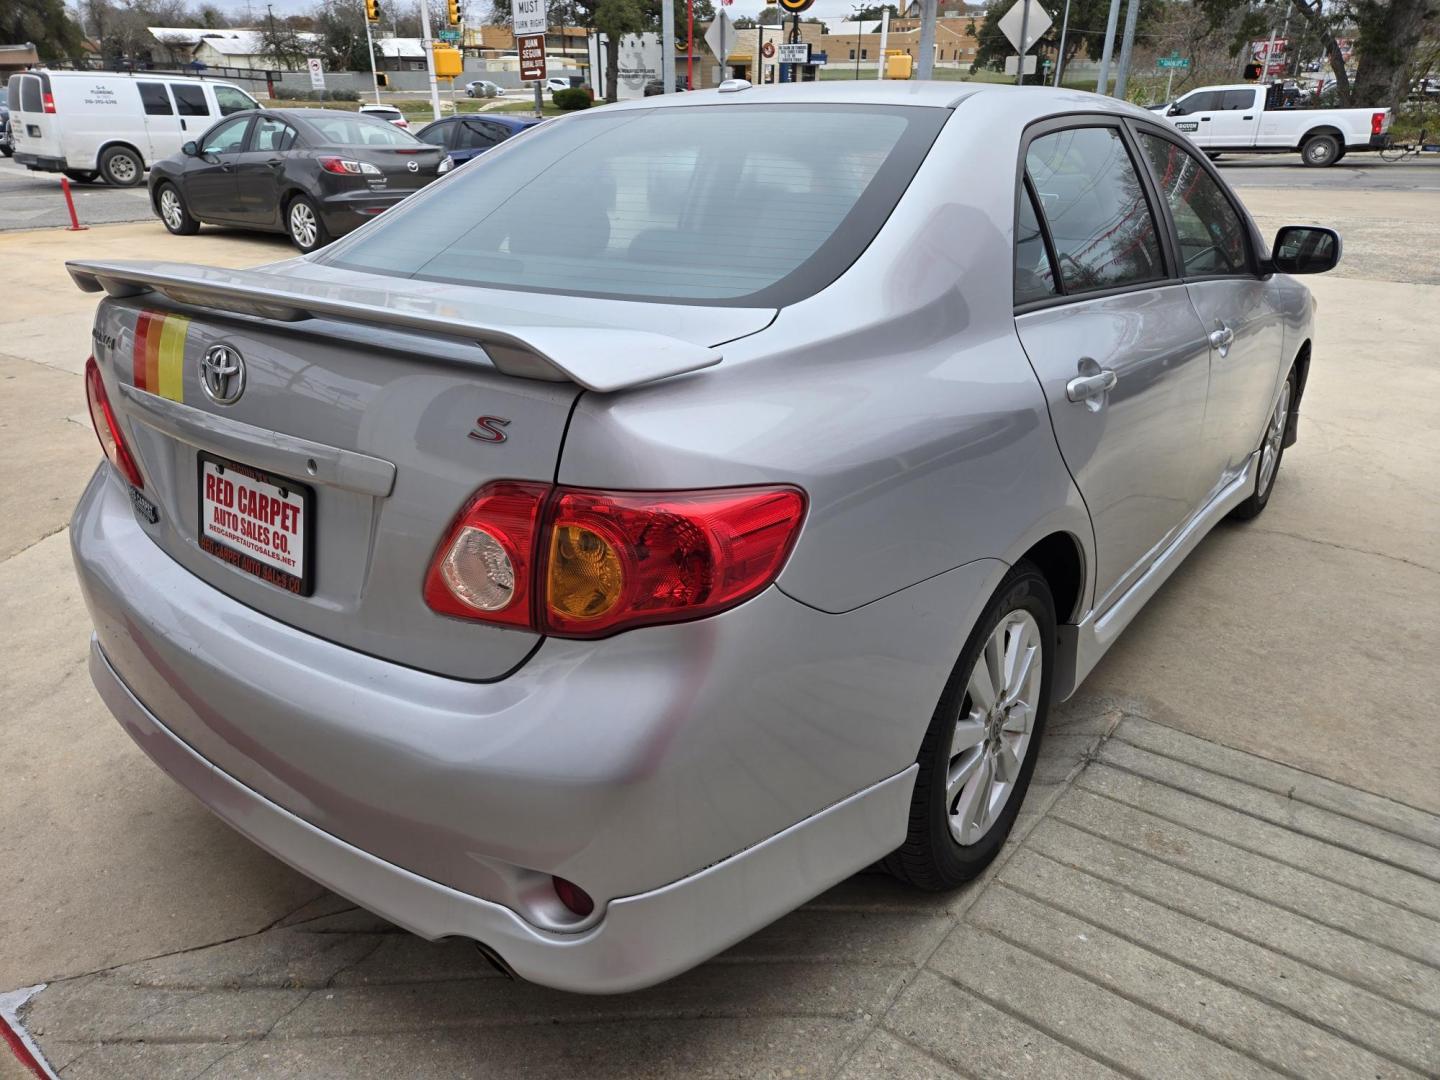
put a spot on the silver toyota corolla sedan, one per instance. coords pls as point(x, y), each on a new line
point(682, 508)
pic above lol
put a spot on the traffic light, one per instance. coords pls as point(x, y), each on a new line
point(1251, 72)
point(372, 10)
point(452, 7)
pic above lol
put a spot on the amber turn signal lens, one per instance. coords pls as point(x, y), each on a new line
point(586, 578)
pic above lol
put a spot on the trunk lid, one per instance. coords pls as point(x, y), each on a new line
point(378, 430)
point(394, 163)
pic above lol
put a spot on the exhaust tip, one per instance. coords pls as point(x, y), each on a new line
point(495, 960)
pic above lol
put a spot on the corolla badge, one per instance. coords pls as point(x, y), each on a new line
point(222, 374)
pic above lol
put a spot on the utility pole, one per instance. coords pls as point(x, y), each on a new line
point(884, 41)
point(667, 46)
point(429, 45)
point(1024, 42)
point(1127, 46)
point(925, 68)
point(1060, 56)
point(1102, 83)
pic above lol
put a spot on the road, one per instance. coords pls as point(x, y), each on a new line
point(33, 200)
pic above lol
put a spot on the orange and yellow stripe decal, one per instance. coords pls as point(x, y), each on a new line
point(160, 354)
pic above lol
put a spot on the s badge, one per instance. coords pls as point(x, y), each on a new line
point(487, 429)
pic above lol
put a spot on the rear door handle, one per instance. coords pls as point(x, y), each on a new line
point(1247, 118)
point(1088, 387)
point(1221, 339)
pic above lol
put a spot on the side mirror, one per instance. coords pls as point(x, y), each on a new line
point(1175, 110)
point(1305, 249)
point(190, 149)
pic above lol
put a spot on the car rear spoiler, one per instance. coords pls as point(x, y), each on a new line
point(601, 358)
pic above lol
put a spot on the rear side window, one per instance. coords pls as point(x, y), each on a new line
point(781, 199)
point(1095, 208)
point(1212, 233)
point(272, 135)
point(189, 100)
point(475, 136)
point(230, 101)
point(30, 94)
point(1205, 101)
point(1034, 274)
point(1235, 100)
point(155, 99)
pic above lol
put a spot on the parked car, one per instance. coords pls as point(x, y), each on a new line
point(564, 563)
point(557, 84)
point(7, 144)
point(465, 137)
point(483, 88)
point(657, 86)
point(1251, 118)
point(387, 112)
point(89, 124)
point(312, 173)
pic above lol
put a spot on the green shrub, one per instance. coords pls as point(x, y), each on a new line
point(574, 98)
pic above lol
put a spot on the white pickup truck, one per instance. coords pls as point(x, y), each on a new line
point(1249, 118)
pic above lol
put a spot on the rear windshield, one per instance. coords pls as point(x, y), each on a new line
point(356, 130)
point(755, 205)
point(386, 113)
point(30, 94)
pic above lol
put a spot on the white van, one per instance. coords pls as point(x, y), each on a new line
point(111, 124)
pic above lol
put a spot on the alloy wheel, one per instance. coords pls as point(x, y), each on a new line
point(303, 227)
point(1274, 437)
point(997, 719)
point(170, 209)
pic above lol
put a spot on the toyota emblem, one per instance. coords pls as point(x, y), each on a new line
point(413, 166)
point(222, 374)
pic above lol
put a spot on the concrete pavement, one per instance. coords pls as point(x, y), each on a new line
point(1175, 905)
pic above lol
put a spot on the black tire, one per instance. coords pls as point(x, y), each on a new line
point(7, 151)
point(122, 167)
point(303, 238)
point(1320, 151)
point(931, 857)
point(1253, 506)
point(83, 176)
point(175, 215)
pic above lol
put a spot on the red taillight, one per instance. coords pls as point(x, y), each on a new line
point(584, 564)
point(346, 167)
point(48, 102)
point(1377, 123)
point(106, 429)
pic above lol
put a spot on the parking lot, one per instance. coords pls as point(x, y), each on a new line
point(1229, 865)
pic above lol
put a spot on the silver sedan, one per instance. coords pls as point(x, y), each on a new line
point(682, 508)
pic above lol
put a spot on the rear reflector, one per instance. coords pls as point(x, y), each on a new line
point(576, 899)
point(587, 564)
point(106, 429)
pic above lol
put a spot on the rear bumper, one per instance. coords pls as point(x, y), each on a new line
point(1379, 142)
point(349, 210)
point(641, 940)
point(629, 765)
point(37, 163)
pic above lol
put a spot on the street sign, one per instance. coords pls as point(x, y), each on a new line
point(819, 59)
point(798, 53)
point(451, 36)
point(317, 73)
point(1174, 60)
point(1036, 26)
point(528, 17)
point(532, 57)
point(721, 35)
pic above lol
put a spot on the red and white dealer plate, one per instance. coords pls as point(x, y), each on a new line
point(258, 522)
